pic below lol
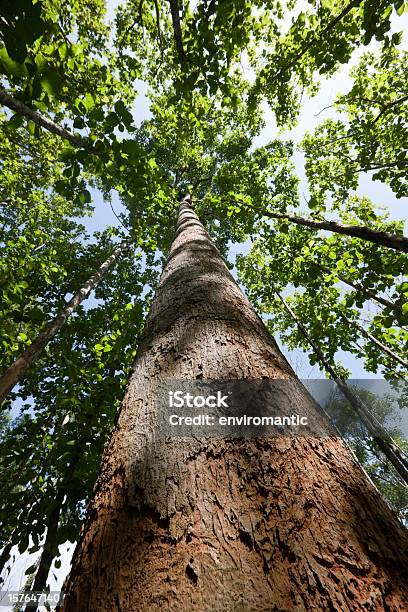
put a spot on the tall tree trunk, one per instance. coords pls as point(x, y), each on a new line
point(399, 242)
point(22, 109)
point(17, 369)
point(211, 524)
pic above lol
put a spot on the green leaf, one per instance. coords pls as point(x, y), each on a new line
point(79, 123)
point(85, 196)
point(402, 8)
point(63, 50)
point(11, 67)
point(16, 121)
point(51, 82)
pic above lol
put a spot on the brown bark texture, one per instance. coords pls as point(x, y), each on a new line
point(227, 524)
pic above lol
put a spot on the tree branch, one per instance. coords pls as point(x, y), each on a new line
point(156, 6)
point(21, 109)
point(330, 26)
point(17, 369)
point(375, 341)
point(175, 16)
point(398, 242)
point(368, 294)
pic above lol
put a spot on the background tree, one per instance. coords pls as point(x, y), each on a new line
point(372, 460)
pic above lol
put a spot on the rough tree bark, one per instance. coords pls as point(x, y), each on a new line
point(278, 523)
point(17, 369)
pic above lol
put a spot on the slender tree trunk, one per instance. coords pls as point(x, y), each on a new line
point(175, 17)
point(392, 241)
point(50, 546)
point(49, 549)
point(15, 372)
point(375, 341)
point(390, 449)
point(211, 524)
point(22, 109)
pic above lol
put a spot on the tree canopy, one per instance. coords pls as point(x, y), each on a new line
point(71, 133)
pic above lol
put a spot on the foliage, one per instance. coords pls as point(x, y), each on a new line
point(317, 267)
point(372, 139)
point(321, 36)
point(70, 400)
